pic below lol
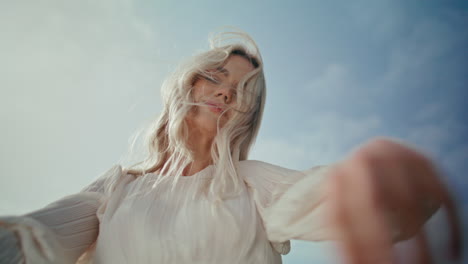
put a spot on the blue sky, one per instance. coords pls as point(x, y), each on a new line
point(80, 77)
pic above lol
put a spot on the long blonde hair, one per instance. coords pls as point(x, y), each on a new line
point(168, 152)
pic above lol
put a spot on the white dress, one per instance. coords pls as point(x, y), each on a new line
point(164, 226)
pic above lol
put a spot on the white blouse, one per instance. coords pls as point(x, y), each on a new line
point(120, 218)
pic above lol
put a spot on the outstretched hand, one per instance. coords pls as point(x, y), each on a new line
point(382, 193)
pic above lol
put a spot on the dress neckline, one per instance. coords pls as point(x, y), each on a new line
point(205, 173)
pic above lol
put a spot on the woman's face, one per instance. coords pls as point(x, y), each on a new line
point(217, 94)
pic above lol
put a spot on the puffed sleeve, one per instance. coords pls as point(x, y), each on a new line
point(291, 203)
point(59, 232)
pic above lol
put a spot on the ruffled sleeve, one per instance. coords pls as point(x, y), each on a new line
point(59, 232)
point(291, 203)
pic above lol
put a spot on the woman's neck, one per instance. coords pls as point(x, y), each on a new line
point(200, 144)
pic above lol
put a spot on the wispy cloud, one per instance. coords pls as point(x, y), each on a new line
point(70, 73)
point(323, 139)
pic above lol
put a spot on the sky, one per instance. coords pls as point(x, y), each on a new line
point(79, 78)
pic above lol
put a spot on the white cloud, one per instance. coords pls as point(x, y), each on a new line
point(333, 82)
point(338, 89)
point(323, 139)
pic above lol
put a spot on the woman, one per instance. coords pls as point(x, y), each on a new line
point(197, 199)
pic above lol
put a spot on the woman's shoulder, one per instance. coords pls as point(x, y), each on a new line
point(260, 172)
point(255, 170)
point(262, 166)
point(257, 166)
point(109, 179)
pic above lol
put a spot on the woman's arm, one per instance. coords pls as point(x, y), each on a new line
point(380, 194)
point(59, 232)
point(386, 191)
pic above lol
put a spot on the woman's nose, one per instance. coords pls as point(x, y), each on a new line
point(225, 93)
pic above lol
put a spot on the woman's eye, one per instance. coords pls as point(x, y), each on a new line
point(211, 79)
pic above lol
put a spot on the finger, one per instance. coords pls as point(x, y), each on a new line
point(423, 251)
point(440, 195)
point(359, 220)
point(453, 221)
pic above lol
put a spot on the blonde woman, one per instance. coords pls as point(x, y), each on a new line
point(197, 198)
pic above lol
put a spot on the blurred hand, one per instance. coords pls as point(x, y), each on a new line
point(382, 193)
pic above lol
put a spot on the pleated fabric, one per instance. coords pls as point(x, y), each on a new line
point(121, 218)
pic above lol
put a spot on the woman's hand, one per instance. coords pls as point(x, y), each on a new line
point(382, 193)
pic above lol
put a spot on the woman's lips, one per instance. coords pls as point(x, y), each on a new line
point(217, 108)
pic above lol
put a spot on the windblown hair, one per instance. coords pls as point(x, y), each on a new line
point(167, 141)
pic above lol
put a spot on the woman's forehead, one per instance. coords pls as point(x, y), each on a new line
point(235, 66)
